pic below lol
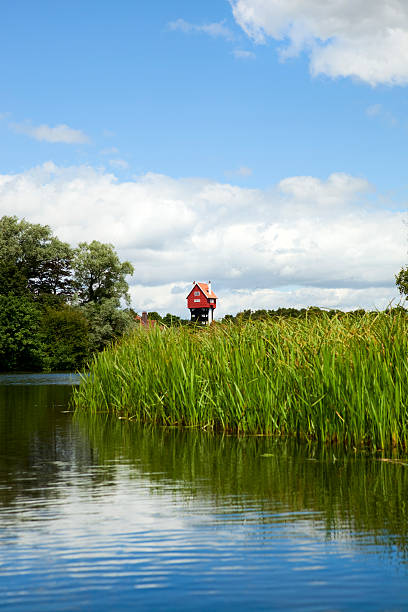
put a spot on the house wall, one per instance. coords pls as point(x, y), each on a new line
point(202, 300)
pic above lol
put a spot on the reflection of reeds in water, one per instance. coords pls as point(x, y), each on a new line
point(342, 379)
point(346, 495)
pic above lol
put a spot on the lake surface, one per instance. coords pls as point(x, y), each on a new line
point(101, 514)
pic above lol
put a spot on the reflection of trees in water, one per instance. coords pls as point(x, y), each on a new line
point(39, 444)
point(347, 492)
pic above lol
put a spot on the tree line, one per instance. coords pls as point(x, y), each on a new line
point(58, 304)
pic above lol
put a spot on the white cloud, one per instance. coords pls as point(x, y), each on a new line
point(365, 39)
point(244, 55)
point(339, 189)
point(217, 29)
point(304, 242)
point(120, 164)
point(59, 133)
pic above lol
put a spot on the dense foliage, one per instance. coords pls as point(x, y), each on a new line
point(169, 319)
point(402, 281)
point(289, 313)
point(341, 378)
point(58, 305)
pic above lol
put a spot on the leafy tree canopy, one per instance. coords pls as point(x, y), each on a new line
point(106, 322)
point(32, 260)
point(154, 316)
point(65, 338)
point(99, 274)
point(41, 325)
point(402, 281)
point(20, 342)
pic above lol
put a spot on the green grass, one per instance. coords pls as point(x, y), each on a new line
point(343, 379)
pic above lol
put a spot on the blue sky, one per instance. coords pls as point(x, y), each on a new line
point(171, 99)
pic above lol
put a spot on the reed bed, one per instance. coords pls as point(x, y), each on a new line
point(341, 379)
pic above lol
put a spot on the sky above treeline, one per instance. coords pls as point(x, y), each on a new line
point(257, 143)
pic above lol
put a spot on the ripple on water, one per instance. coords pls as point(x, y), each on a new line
point(105, 515)
point(35, 379)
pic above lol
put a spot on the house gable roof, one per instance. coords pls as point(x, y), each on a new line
point(204, 289)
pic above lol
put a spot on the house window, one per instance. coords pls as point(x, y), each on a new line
point(197, 300)
point(196, 293)
point(211, 301)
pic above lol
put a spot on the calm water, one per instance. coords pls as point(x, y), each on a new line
point(100, 514)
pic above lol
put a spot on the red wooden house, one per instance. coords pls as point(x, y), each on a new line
point(202, 302)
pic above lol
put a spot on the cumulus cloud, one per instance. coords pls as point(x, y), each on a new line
point(216, 29)
point(365, 39)
point(306, 241)
point(59, 133)
point(338, 189)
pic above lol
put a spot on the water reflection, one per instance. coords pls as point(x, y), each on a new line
point(36, 379)
point(350, 495)
point(100, 513)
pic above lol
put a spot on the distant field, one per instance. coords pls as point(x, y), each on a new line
point(340, 379)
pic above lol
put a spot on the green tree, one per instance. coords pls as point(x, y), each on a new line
point(402, 281)
point(21, 347)
point(154, 316)
point(39, 273)
point(32, 260)
point(170, 320)
point(54, 276)
point(99, 274)
point(64, 332)
point(106, 322)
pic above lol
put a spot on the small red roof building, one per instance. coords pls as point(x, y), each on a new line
point(202, 302)
point(145, 322)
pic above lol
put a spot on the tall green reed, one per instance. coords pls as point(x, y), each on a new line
point(332, 379)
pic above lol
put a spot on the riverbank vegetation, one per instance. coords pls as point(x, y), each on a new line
point(330, 378)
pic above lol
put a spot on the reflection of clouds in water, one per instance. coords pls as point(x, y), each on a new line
point(98, 504)
point(78, 509)
point(121, 528)
point(129, 519)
